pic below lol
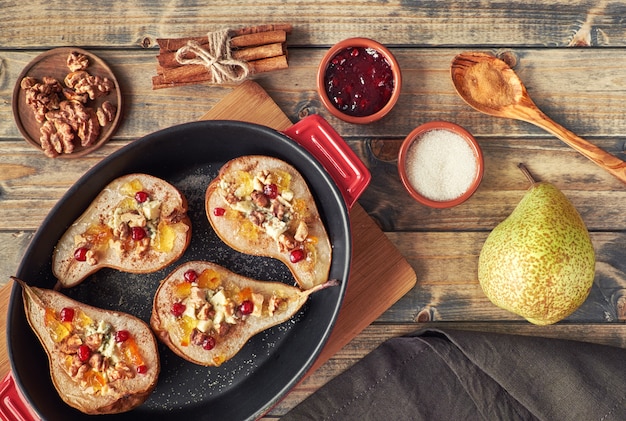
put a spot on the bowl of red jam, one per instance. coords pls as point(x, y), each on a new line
point(359, 80)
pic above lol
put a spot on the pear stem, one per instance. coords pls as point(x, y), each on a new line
point(527, 173)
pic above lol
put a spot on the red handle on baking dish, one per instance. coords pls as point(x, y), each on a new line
point(13, 406)
point(317, 136)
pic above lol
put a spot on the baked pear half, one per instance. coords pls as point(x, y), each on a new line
point(206, 313)
point(262, 206)
point(137, 224)
point(101, 362)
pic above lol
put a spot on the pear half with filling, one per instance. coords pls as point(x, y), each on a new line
point(101, 361)
point(137, 224)
point(262, 206)
point(206, 313)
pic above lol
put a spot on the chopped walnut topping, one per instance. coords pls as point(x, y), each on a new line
point(82, 369)
point(256, 217)
point(260, 199)
point(94, 341)
point(70, 344)
point(98, 362)
point(120, 371)
point(143, 246)
point(286, 242)
point(122, 231)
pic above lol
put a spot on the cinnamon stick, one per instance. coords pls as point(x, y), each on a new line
point(173, 44)
point(259, 38)
point(268, 64)
point(168, 59)
point(196, 73)
point(246, 37)
point(287, 27)
point(262, 47)
point(260, 52)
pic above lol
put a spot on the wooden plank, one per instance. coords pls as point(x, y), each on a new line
point(139, 23)
point(592, 109)
point(447, 289)
point(30, 180)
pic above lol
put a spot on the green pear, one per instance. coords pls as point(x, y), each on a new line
point(539, 262)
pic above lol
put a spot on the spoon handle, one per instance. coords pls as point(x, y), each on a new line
point(609, 162)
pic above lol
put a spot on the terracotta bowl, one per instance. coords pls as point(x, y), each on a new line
point(463, 177)
point(348, 45)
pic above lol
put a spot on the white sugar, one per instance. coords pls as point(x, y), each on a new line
point(441, 165)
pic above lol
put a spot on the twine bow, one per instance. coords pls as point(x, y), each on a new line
point(217, 58)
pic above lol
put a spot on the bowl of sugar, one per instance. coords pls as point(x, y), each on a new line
point(440, 164)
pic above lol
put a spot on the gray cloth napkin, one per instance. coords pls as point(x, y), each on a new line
point(460, 375)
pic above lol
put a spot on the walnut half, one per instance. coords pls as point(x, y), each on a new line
point(77, 61)
point(106, 113)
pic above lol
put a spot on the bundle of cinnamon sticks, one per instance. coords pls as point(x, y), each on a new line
point(263, 48)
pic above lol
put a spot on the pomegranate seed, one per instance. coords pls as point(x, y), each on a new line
point(246, 307)
point(137, 233)
point(208, 343)
point(296, 255)
point(190, 275)
point(84, 353)
point(121, 335)
point(80, 254)
point(67, 314)
point(142, 369)
point(219, 211)
point(270, 190)
point(141, 196)
point(178, 309)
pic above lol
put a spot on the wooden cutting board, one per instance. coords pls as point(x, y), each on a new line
point(379, 275)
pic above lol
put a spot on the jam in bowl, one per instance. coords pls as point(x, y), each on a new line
point(359, 80)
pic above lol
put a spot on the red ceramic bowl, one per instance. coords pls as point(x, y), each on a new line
point(440, 164)
point(375, 102)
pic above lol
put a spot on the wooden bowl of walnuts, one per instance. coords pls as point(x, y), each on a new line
point(67, 102)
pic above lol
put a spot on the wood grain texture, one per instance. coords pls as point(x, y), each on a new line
point(581, 88)
point(415, 23)
point(553, 77)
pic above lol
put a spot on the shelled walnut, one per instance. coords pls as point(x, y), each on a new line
point(77, 61)
point(66, 117)
point(84, 83)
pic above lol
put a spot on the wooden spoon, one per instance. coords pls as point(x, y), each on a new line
point(490, 86)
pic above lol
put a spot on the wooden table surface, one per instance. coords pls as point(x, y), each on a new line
point(571, 55)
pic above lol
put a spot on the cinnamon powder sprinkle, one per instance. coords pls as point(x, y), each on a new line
point(487, 86)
